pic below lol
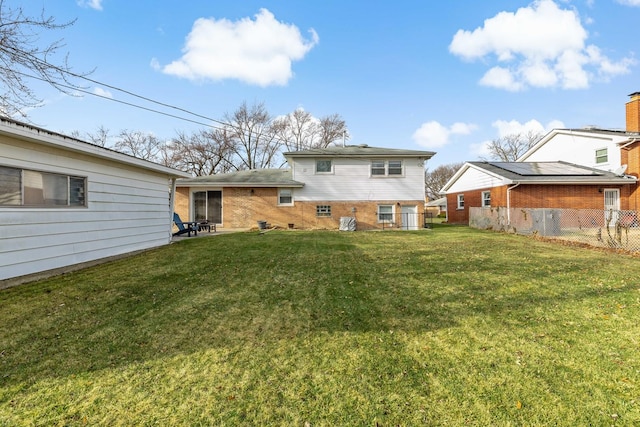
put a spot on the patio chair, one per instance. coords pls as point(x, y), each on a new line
point(187, 227)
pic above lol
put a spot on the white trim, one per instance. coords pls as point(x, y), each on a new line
point(290, 190)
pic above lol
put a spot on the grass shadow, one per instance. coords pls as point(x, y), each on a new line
point(246, 290)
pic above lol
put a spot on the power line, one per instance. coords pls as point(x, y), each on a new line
point(130, 104)
point(80, 76)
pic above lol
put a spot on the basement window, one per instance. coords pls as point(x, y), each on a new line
point(323, 210)
point(602, 156)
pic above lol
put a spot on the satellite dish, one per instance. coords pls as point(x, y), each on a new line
point(621, 170)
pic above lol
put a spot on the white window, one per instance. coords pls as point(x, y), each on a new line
point(385, 213)
point(324, 166)
point(395, 167)
point(486, 199)
point(386, 168)
point(285, 197)
point(378, 167)
point(323, 210)
point(460, 201)
point(602, 156)
point(21, 187)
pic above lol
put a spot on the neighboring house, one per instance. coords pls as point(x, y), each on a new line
point(437, 206)
point(568, 168)
point(65, 202)
point(380, 187)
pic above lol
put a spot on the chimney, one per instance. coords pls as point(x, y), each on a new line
point(633, 112)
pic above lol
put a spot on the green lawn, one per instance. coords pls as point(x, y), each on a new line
point(449, 326)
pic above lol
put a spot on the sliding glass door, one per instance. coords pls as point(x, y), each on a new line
point(207, 205)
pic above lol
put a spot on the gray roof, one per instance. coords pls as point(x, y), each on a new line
point(552, 173)
point(247, 178)
point(360, 151)
point(38, 135)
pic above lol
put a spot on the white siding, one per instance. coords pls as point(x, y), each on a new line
point(128, 210)
point(351, 181)
point(578, 148)
point(475, 179)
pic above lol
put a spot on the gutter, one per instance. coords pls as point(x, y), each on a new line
point(509, 202)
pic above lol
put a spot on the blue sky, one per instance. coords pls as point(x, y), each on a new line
point(444, 76)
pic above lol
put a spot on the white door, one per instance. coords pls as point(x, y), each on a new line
point(409, 217)
point(611, 205)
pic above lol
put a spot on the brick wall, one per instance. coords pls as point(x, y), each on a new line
point(633, 113)
point(630, 156)
point(244, 207)
point(538, 196)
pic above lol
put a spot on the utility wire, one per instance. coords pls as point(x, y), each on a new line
point(80, 76)
point(130, 104)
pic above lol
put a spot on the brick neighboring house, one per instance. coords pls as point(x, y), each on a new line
point(380, 187)
point(568, 168)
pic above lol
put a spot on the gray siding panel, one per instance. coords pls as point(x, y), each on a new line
point(128, 210)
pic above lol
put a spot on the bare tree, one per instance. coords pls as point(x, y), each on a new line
point(22, 59)
point(300, 130)
point(332, 128)
point(100, 137)
point(436, 179)
point(206, 152)
point(253, 138)
point(510, 147)
point(139, 144)
point(297, 130)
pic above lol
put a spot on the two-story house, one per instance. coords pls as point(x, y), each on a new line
point(586, 168)
point(379, 187)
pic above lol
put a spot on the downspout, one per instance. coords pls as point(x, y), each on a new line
point(509, 203)
point(172, 200)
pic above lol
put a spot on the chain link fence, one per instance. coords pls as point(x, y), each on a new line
point(618, 229)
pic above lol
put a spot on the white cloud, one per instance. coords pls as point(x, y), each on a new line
point(258, 51)
point(155, 64)
point(537, 46)
point(512, 127)
point(630, 2)
point(93, 4)
point(433, 135)
point(102, 92)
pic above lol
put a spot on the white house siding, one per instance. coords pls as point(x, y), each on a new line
point(351, 181)
point(474, 179)
point(127, 210)
point(579, 148)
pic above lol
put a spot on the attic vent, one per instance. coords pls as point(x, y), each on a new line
point(363, 145)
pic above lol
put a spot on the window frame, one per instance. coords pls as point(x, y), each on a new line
point(323, 172)
point(323, 211)
point(400, 169)
point(380, 168)
point(386, 220)
point(486, 199)
point(74, 192)
point(601, 158)
point(460, 200)
point(280, 196)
